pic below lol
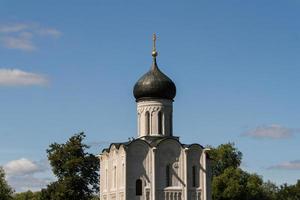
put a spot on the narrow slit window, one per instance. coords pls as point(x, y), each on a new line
point(170, 124)
point(106, 179)
point(115, 176)
point(159, 120)
point(123, 174)
point(139, 187)
point(168, 175)
point(195, 176)
point(147, 123)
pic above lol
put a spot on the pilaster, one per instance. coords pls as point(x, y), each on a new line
point(186, 173)
point(205, 176)
point(153, 173)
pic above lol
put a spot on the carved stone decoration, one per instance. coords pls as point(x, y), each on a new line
point(176, 165)
point(140, 110)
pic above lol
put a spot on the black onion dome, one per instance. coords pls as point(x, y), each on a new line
point(154, 84)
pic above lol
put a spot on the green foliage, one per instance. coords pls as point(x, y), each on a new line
point(76, 170)
point(29, 195)
point(291, 192)
point(5, 190)
point(230, 182)
point(96, 197)
point(270, 190)
point(223, 157)
point(236, 184)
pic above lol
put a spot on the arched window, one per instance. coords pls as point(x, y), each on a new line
point(195, 176)
point(138, 187)
point(168, 176)
point(159, 121)
point(147, 123)
point(139, 123)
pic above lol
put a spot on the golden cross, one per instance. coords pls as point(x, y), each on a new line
point(154, 42)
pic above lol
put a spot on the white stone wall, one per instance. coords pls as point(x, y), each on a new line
point(138, 167)
point(149, 122)
point(139, 160)
point(113, 174)
point(195, 172)
point(169, 153)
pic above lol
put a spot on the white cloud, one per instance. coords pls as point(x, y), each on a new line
point(273, 131)
point(28, 182)
point(24, 174)
point(22, 166)
point(291, 165)
point(16, 77)
point(22, 35)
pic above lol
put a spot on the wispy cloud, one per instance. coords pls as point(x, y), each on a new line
point(273, 131)
point(22, 35)
point(24, 174)
point(16, 77)
point(50, 32)
point(291, 165)
point(20, 42)
point(12, 28)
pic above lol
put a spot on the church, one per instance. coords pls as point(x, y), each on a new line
point(155, 165)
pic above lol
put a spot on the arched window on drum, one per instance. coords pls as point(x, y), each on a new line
point(147, 123)
point(159, 123)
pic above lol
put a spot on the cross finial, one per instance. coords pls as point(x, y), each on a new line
point(154, 42)
point(154, 52)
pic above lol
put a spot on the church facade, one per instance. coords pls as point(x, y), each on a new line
point(155, 165)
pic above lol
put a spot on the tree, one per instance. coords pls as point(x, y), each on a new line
point(29, 195)
point(270, 190)
point(236, 184)
point(291, 192)
point(96, 197)
point(5, 190)
point(75, 169)
point(223, 157)
point(230, 182)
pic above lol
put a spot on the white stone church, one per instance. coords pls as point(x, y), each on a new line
point(155, 165)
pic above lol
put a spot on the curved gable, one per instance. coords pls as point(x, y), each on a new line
point(169, 141)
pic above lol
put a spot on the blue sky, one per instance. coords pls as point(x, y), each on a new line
point(70, 66)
